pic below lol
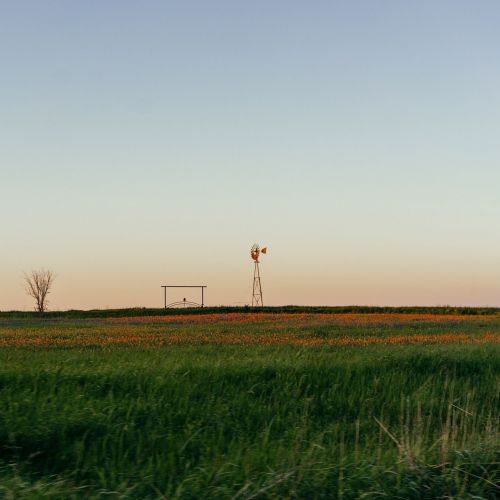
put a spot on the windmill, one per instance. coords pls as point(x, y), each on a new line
point(257, 286)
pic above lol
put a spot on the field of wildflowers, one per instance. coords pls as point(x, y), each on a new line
point(254, 329)
point(243, 405)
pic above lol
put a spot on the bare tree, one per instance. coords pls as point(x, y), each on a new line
point(38, 285)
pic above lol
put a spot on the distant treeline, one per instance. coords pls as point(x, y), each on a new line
point(143, 311)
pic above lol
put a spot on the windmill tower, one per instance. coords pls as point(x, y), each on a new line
point(257, 285)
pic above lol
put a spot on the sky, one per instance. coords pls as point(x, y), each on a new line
point(153, 142)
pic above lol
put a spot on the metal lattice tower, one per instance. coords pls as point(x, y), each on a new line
point(257, 286)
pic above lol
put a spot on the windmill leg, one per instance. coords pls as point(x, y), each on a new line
point(257, 287)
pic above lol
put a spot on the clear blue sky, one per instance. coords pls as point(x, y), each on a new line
point(152, 142)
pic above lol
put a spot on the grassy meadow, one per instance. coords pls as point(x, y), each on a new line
point(235, 404)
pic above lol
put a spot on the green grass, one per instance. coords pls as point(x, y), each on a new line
point(143, 311)
point(219, 421)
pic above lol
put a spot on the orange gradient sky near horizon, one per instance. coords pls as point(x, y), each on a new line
point(149, 144)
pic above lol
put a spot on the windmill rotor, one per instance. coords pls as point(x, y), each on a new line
point(255, 252)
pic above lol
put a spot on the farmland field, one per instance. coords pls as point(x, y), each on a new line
point(244, 405)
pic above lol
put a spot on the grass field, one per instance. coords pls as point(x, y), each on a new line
point(240, 405)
